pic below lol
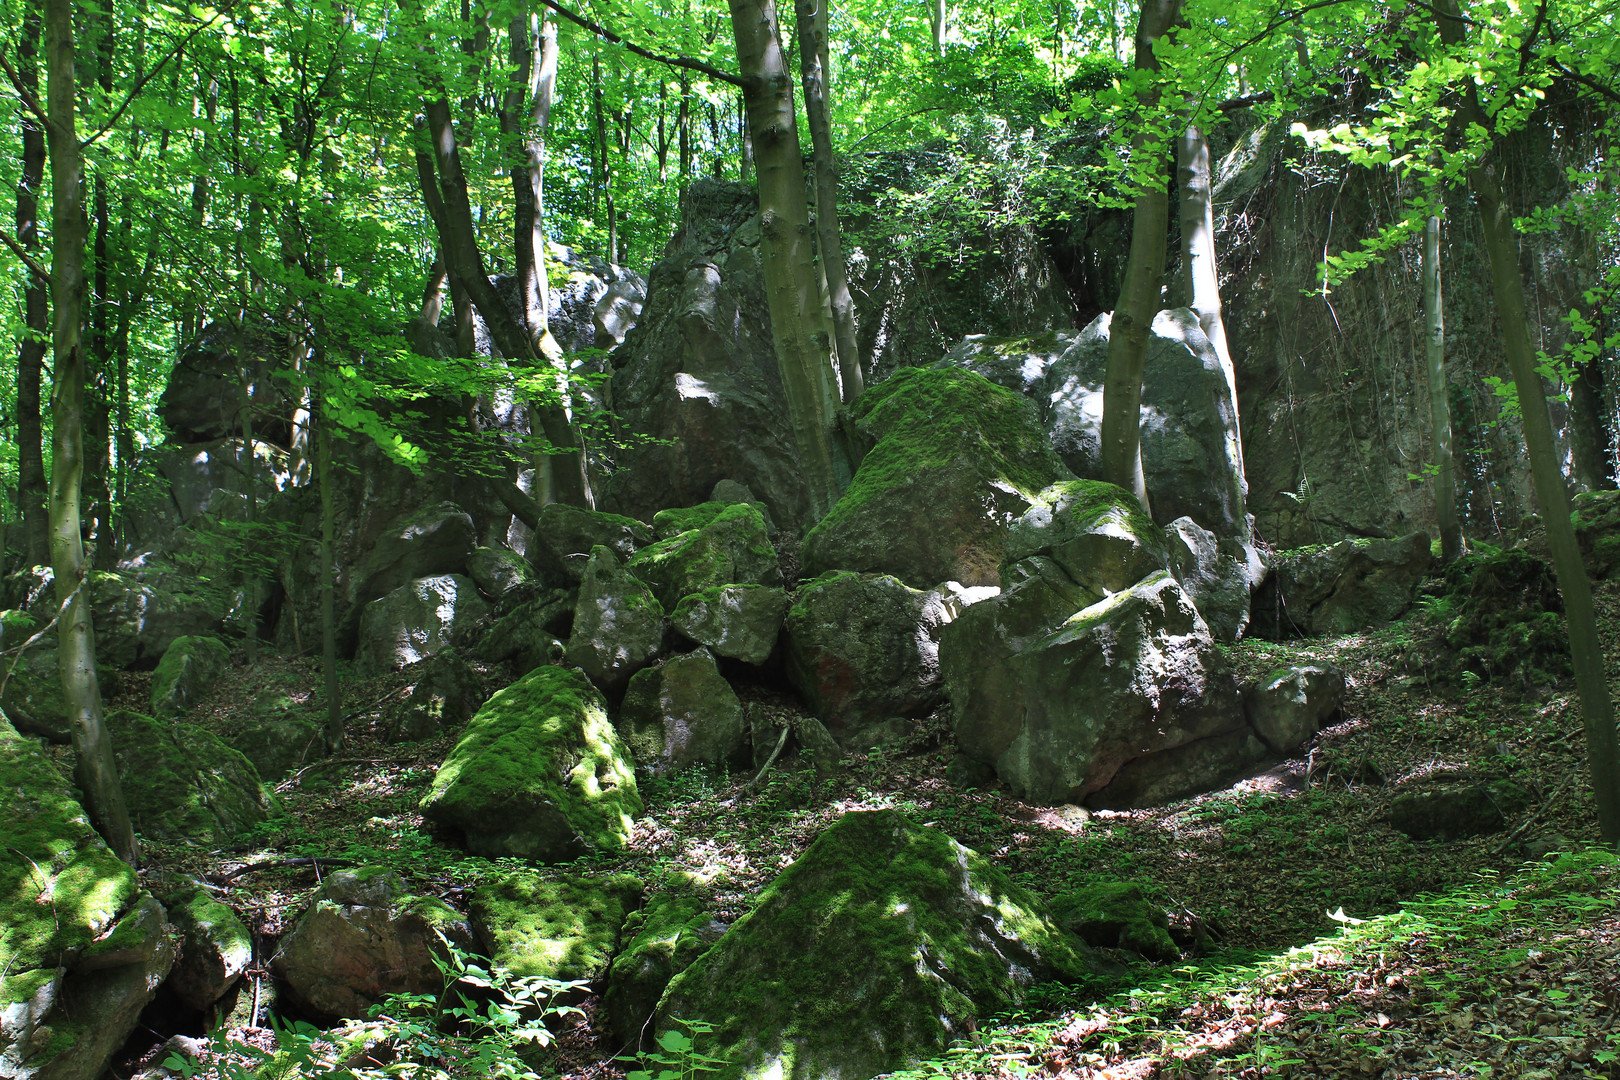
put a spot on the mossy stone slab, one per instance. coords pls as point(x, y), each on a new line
point(660, 941)
point(187, 671)
point(183, 782)
point(553, 928)
point(729, 548)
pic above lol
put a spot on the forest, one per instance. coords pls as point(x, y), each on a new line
point(659, 540)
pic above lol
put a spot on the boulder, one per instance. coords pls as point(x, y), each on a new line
point(497, 571)
point(565, 929)
point(661, 941)
point(215, 948)
point(1153, 779)
point(1219, 574)
point(415, 621)
point(899, 936)
point(1596, 518)
point(1340, 588)
point(186, 673)
point(730, 491)
point(619, 626)
point(1096, 532)
point(364, 936)
point(138, 614)
point(538, 774)
point(1019, 364)
point(446, 693)
point(433, 541)
point(705, 547)
point(203, 398)
point(181, 493)
point(738, 621)
point(182, 782)
point(954, 460)
point(1289, 704)
point(566, 535)
point(595, 303)
point(32, 695)
point(1117, 915)
point(81, 947)
point(863, 648)
point(681, 713)
point(1456, 810)
point(1058, 697)
point(527, 635)
point(278, 744)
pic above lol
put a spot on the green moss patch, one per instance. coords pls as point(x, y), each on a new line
point(730, 546)
point(565, 929)
point(187, 671)
point(1499, 618)
point(1117, 915)
point(183, 782)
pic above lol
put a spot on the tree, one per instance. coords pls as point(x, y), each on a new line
point(1445, 471)
point(31, 343)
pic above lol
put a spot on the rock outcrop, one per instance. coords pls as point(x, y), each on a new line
point(1347, 586)
point(417, 620)
point(682, 713)
point(182, 782)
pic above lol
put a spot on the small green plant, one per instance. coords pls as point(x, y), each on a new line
point(677, 1057)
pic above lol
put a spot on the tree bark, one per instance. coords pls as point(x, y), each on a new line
point(814, 71)
point(96, 772)
point(1144, 276)
point(1445, 477)
point(939, 21)
point(1586, 652)
point(323, 471)
point(799, 327)
point(36, 529)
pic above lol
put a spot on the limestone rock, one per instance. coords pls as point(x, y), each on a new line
point(538, 774)
point(280, 744)
point(706, 546)
point(203, 398)
point(363, 937)
point(898, 934)
point(564, 928)
point(431, 542)
point(739, 621)
point(182, 782)
point(1290, 704)
point(681, 713)
point(32, 697)
point(954, 460)
point(1096, 532)
point(661, 941)
point(619, 626)
point(1058, 699)
point(1456, 811)
point(139, 614)
point(1341, 588)
point(1153, 779)
point(446, 693)
point(415, 621)
point(497, 571)
point(187, 671)
point(527, 635)
point(1219, 574)
point(567, 534)
point(215, 948)
point(1117, 915)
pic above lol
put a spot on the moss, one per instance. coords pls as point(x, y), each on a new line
point(676, 520)
point(224, 928)
point(730, 547)
point(1117, 915)
point(1089, 503)
point(182, 781)
point(553, 929)
point(1499, 617)
point(188, 668)
point(660, 941)
point(538, 760)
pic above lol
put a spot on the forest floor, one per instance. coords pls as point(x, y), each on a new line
point(1499, 972)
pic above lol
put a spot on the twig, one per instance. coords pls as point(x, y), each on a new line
point(673, 61)
point(17, 249)
point(1536, 815)
point(780, 742)
point(279, 864)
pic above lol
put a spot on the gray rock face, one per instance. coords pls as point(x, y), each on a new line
point(699, 371)
point(415, 621)
point(180, 491)
point(739, 621)
point(681, 713)
point(497, 571)
point(527, 634)
point(1059, 699)
point(1218, 573)
point(1095, 532)
point(447, 692)
point(1291, 704)
point(138, 615)
point(1456, 811)
point(187, 672)
point(363, 937)
point(203, 399)
point(619, 626)
point(563, 542)
point(596, 304)
point(1341, 588)
point(431, 542)
point(704, 547)
point(863, 648)
point(215, 948)
point(898, 934)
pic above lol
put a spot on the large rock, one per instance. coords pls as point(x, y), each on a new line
point(498, 571)
point(1096, 532)
point(416, 621)
point(539, 774)
point(434, 540)
point(527, 635)
point(954, 460)
point(738, 621)
point(279, 740)
point(181, 494)
point(1341, 588)
point(181, 782)
point(619, 626)
point(660, 941)
point(864, 648)
point(1289, 704)
point(32, 695)
point(187, 672)
point(138, 614)
point(1059, 698)
point(1117, 915)
point(706, 546)
point(565, 929)
point(566, 535)
point(681, 713)
point(1218, 573)
point(215, 948)
point(897, 935)
point(81, 948)
point(203, 399)
point(364, 936)
point(1456, 810)
point(446, 693)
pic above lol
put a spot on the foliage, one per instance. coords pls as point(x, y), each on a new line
point(676, 1055)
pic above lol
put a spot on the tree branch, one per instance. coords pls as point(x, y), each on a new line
point(1586, 81)
point(140, 84)
point(673, 61)
point(34, 268)
point(25, 95)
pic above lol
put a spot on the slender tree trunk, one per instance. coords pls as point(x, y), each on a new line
point(250, 470)
point(1586, 652)
point(813, 67)
point(1592, 450)
point(96, 772)
point(1144, 276)
point(329, 668)
point(98, 456)
point(1445, 477)
point(939, 20)
point(798, 325)
point(36, 333)
point(683, 124)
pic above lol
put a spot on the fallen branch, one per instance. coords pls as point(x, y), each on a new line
point(281, 864)
point(780, 742)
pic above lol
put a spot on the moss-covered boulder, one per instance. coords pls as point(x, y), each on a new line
point(619, 626)
point(739, 621)
point(527, 635)
point(1218, 573)
point(32, 696)
point(1456, 809)
point(498, 571)
point(278, 744)
point(1596, 518)
point(1289, 704)
point(1117, 915)
point(82, 950)
point(1500, 617)
point(722, 544)
point(416, 621)
point(878, 947)
point(538, 774)
point(183, 782)
point(565, 928)
point(1341, 588)
point(1098, 533)
point(366, 935)
point(215, 948)
point(659, 942)
point(567, 534)
point(445, 693)
point(954, 460)
point(682, 713)
point(187, 671)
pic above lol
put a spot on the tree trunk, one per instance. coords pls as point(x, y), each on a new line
point(814, 69)
point(1445, 477)
point(1144, 276)
point(1200, 283)
point(36, 528)
point(329, 668)
point(250, 469)
point(96, 772)
point(1586, 652)
point(683, 124)
point(939, 20)
point(799, 327)
point(1592, 453)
